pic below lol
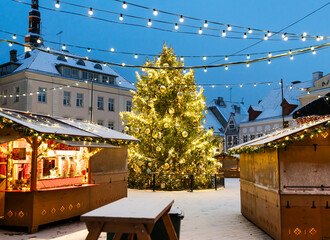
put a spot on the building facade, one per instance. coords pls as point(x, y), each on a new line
point(46, 83)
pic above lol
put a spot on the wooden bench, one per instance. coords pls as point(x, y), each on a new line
point(131, 216)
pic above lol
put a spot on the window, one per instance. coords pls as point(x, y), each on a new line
point(111, 125)
point(260, 134)
point(286, 124)
point(100, 122)
point(100, 105)
point(111, 104)
point(66, 98)
point(4, 97)
point(229, 141)
point(128, 106)
point(42, 95)
point(235, 140)
point(66, 72)
point(80, 100)
point(96, 77)
point(75, 73)
point(104, 79)
point(245, 138)
point(252, 137)
point(16, 94)
point(84, 75)
point(112, 81)
point(231, 124)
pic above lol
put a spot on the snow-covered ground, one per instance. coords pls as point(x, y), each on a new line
point(208, 215)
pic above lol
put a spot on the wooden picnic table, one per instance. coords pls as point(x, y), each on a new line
point(129, 215)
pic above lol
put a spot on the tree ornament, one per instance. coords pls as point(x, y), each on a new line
point(122, 123)
point(166, 166)
point(158, 149)
point(180, 95)
point(204, 121)
point(177, 126)
point(166, 65)
point(150, 75)
point(184, 134)
point(166, 125)
point(183, 81)
point(171, 110)
point(206, 112)
point(150, 102)
point(136, 130)
point(182, 161)
point(126, 129)
point(147, 131)
point(162, 88)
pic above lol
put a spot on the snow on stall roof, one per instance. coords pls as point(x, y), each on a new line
point(98, 130)
point(271, 104)
point(40, 61)
point(52, 125)
point(281, 134)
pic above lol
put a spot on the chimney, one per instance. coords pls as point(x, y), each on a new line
point(317, 75)
point(13, 55)
point(220, 101)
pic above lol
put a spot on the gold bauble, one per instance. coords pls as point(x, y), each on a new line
point(184, 134)
point(150, 102)
point(162, 88)
point(147, 131)
point(126, 129)
point(183, 81)
point(204, 121)
point(177, 126)
point(158, 149)
point(150, 75)
point(166, 166)
point(149, 164)
point(136, 130)
point(180, 95)
point(206, 112)
point(166, 125)
point(122, 123)
point(166, 65)
point(171, 110)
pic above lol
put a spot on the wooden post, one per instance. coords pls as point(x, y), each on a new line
point(34, 163)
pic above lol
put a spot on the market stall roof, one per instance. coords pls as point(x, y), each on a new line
point(58, 126)
point(281, 134)
point(86, 144)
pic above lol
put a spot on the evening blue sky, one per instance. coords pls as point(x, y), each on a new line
point(272, 15)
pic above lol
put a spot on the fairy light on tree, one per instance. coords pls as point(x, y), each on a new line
point(167, 117)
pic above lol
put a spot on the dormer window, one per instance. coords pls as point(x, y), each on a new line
point(61, 58)
point(27, 55)
point(80, 62)
point(98, 66)
point(231, 125)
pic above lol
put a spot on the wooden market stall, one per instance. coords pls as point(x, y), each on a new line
point(229, 165)
point(54, 168)
point(285, 183)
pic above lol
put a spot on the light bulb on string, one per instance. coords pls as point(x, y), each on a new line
point(269, 84)
point(181, 59)
point(176, 27)
point(48, 49)
point(205, 69)
point(149, 23)
point(291, 57)
point(304, 34)
point(121, 18)
point(250, 31)
point(303, 38)
point(204, 58)
point(248, 56)
point(313, 52)
point(248, 65)
point(226, 58)
point(229, 28)
point(226, 67)
point(318, 38)
point(90, 12)
point(245, 36)
point(241, 85)
point(265, 37)
point(14, 36)
point(269, 62)
point(123, 64)
point(89, 50)
point(181, 19)
point(290, 51)
point(269, 54)
point(227, 86)
point(57, 4)
point(255, 85)
point(206, 24)
point(10, 44)
point(290, 86)
point(213, 86)
point(155, 12)
point(124, 5)
point(269, 33)
point(136, 56)
point(112, 49)
point(321, 37)
point(224, 33)
point(39, 40)
point(63, 46)
point(200, 31)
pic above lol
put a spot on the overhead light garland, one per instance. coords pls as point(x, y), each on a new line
point(247, 63)
point(293, 36)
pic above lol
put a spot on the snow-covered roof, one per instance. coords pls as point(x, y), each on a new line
point(229, 107)
point(271, 104)
point(44, 62)
point(281, 134)
point(58, 126)
point(212, 122)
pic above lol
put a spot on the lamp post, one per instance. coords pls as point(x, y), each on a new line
point(92, 96)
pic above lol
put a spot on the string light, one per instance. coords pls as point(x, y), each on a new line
point(181, 59)
point(269, 33)
point(269, 62)
point(226, 67)
point(250, 31)
point(89, 50)
point(14, 36)
point(155, 12)
point(248, 56)
point(303, 38)
point(318, 38)
point(149, 23)
point(227, 86)
point(265, 37)
point(90, 12)
point(121, 18)
point(269, 54)
point(241, 85)
point(254, 84)
point(291, 57)
point(181, 19)
point(313, 52)
point(248, 65)
point(229, 28)
point(226, 58)
point(206, 24)
point(39, 40)
point(124, 5)
point(176, 27)
point(224, 33)
point(204, 58)
point(10, 44)
point(290, 51)
point(57, 4)
point(200, 31)
point(136, 56)
point(205, 69)
point(312, 48)
point(245, 36)
point(112, 49)
point(63, 46)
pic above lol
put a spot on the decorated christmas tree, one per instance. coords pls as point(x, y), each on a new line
point(167, 116)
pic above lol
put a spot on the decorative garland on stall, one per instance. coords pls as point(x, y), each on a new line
point(284, 142)
point(4, 122)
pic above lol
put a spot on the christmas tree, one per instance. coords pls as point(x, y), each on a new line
point(167, 116)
